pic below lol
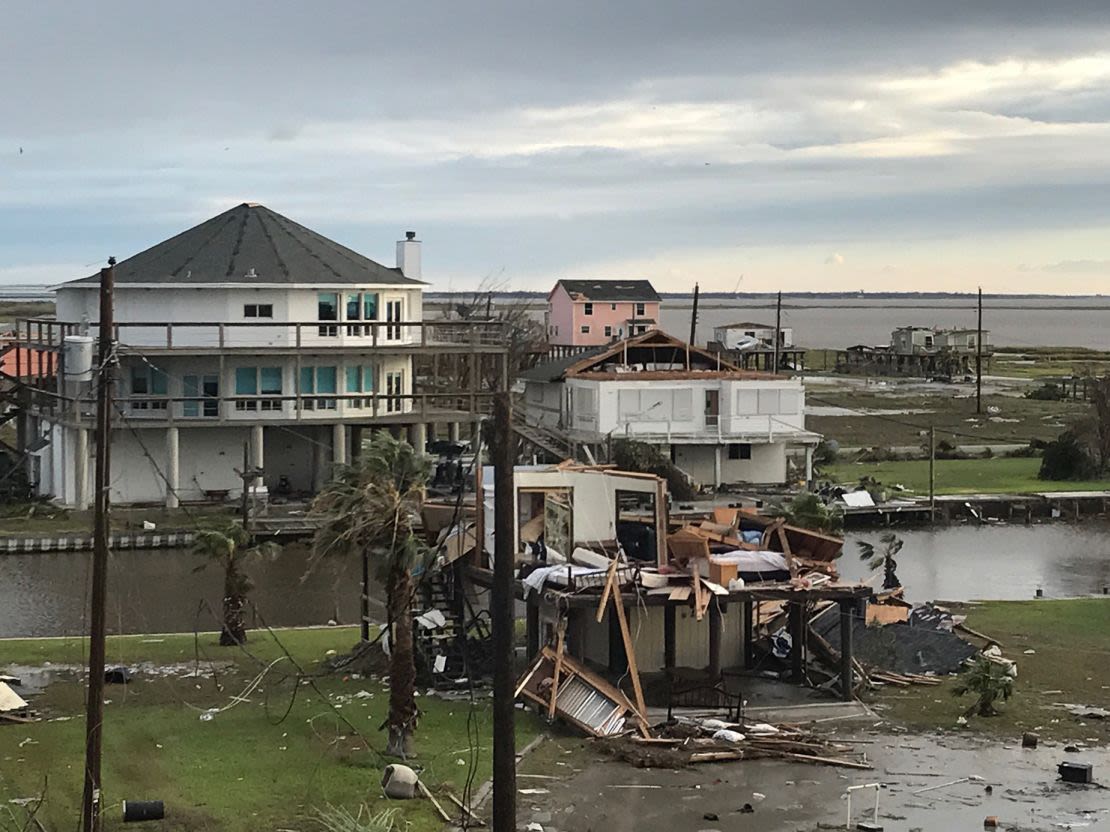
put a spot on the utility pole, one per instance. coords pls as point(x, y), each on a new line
point(778, 329)
point(979, 357)
point(694, 319)
point(94, 713)
point(502, 601)
point(932, 474)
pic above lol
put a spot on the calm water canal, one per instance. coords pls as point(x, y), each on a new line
point(159, 591)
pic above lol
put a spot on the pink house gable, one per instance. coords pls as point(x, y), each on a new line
point(575, 319)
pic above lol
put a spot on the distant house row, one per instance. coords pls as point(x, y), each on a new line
point(919, 351)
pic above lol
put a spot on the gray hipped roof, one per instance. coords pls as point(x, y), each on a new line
point(611, 290)
point(250, 243)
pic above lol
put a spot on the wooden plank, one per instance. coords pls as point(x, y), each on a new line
point(791, 565)
point(680, 593)
point(559, 645)
point(630, 653)
point(427, 793)
point(610, 581)
point(698, 611)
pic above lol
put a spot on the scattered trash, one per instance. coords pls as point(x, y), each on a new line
point(143, 810)
point(1029, 740)
point(117, 676)
point(1076, 772)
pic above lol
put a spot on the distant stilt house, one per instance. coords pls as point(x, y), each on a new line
point(751, 346)
point(918, 351)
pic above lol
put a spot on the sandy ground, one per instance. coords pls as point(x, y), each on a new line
point(1025, 791)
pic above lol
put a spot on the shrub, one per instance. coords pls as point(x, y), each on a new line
point(1048, 392)
point(810, 512)
point(1066, 458)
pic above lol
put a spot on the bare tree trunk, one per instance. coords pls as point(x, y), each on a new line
point(234, 628)
point(402, 671)
point(1100, 398)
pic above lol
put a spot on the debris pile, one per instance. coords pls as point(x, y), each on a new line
point(688, 742)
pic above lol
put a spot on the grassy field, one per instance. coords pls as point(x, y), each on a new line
point(44, 518)
point(268, 762)
point(1050, 362)
point(1025, 418)
point(960, 476)
point(10, 310)
point(1071, 644)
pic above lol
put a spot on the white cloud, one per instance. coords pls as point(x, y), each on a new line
point(834, 259)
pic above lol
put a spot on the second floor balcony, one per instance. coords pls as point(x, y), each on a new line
point(228, 337)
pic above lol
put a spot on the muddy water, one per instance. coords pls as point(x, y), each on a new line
point(963, 563)
point(1026, 793)
point(158, 591)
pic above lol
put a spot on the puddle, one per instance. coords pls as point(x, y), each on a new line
point(916, 773)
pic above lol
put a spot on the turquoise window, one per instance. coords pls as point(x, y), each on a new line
point(328, 306)
point(307, 380)
point(326, 380)
point(367, 379)
point(246, 381)
point(370, 306)
point(269, 381)
point(352, 307)
point(354, 379)
point(158, 384)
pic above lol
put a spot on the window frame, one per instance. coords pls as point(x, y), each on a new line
point(739, 451)
point(588, 308)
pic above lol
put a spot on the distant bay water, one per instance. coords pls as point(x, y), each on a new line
point(838, 322)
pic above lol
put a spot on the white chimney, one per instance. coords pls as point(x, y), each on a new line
point(408, 255)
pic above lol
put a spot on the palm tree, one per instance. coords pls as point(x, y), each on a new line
point(991, 681)
point(231, 548)
point(892, 545)
point(369, 510)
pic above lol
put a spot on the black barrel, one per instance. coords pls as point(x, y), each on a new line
point(135, 811)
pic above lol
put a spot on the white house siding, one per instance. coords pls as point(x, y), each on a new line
point(199, 304)
point(767, 464)
point(662, 408)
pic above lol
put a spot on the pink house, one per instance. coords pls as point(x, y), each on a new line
point(593, 312)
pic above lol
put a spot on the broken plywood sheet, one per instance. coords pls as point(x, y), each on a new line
point(10, 701)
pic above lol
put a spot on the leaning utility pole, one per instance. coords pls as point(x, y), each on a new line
point(694, 320)
point(778, 329)
point(932, 474)
point(94, 714)
point(502, 601)
point(979, 357)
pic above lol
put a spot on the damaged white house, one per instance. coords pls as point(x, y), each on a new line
point(719, 423)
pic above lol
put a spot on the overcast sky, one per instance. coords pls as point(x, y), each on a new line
point(746, 145)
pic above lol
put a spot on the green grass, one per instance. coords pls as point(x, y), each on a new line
point(1071, 640)
point(44, 518)
point(265, 763)
point(955, 419)
point(10, 310)
point(999, 475)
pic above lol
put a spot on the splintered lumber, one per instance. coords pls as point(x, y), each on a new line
point(630, 653)
point(680, 593)
point(559, 647)
point(966, 629)
point(427, 793)
point(715, 756)
point(832, 761)
point(474, 819)
point(699, 610)
point(610, 580)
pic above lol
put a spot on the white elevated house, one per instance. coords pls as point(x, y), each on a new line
point(247, 330)
point(750, 334)
point(719, 423)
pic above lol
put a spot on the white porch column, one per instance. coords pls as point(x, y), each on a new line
point(81, 470)
point(418, 437)
point(716, 466)
point(173, 468)
point(339, 444)
point(258, 452)
point(809, 464)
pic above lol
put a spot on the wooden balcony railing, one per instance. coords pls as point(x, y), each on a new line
point(49, 334)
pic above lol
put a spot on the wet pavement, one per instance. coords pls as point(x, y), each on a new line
point(916, 773)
